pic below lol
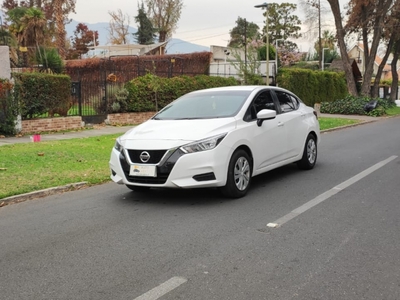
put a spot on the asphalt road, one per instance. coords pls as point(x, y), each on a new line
point(329, 233)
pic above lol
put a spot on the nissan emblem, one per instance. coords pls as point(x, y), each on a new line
point(144, 156)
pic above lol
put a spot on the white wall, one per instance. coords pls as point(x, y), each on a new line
point(5, 70)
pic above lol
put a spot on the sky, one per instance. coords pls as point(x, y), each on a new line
point(202, 22)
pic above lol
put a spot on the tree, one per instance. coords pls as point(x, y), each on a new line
point(5, 36)
point(145, 34)
point(340, 35)
point(56, 15)
point(83, 40)
point(164, 15)
point(248, 69)
point(242, 31)
point(119, 28)
point(314, 12)
point(16, 28)
point(15, 16)
point(328, 40)
point(367, 17)
point(33, 25)
point(60, 33)
point(282, 23)
point(391, 36)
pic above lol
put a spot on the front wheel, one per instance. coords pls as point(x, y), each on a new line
point(309, 158)
point(239, 175)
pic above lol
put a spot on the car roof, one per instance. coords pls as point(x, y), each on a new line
point(249, 88)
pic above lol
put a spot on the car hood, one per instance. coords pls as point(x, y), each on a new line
point(162, 134)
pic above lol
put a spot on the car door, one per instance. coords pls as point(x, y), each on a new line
point(268, 140)
point(293, 121)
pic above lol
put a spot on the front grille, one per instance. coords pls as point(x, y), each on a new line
point(155, 156)
point(163, 170)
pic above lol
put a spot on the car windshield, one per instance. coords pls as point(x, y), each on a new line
point(204, 105)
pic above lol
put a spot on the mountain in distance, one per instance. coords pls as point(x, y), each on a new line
point(177, 46)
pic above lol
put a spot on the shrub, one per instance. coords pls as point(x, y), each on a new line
point(313, 86)
point(351, 105)
point(49, 61)
point(8, 108)
point(39, 93)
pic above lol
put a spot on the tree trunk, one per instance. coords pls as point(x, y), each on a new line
point(162, 37)
point(381, 11)
point(370, 60)
point(351, 83)
point(395, 75)
point(60, 37)
point(375, 89)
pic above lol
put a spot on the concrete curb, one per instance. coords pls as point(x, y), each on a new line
point(42, 193)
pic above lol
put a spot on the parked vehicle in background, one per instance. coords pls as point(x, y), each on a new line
point(218, 137)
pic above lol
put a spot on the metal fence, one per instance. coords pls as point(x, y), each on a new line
point(94, 92)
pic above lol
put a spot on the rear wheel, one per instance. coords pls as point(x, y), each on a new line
point(239, 175)
point(137, 188)
point(309, 158)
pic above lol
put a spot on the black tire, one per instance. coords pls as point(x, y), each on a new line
point(139, 189)
point(310, 152)
point(239, 175)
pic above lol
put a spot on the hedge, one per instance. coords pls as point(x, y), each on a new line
point(313, 86)
point(41, 93)
point(150, 92)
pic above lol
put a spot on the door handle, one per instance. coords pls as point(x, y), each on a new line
point(280, 124)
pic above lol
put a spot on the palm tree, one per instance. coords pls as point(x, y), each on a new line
point(33, 27)
point(16, 28)
point(15, 15)
point(328, 40)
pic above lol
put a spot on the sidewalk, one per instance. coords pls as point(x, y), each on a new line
point(96, 131)
point(104, 130)
point(354, 117)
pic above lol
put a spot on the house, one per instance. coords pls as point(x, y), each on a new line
point(337, 65)
point(356, 53)
point(226, 62)
point(129, 50)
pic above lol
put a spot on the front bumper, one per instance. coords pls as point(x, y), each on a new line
point(176, 169)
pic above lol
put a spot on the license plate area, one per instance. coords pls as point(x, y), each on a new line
point(143, 171)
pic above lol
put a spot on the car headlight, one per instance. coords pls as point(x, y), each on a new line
point(118, 145)
point(203, 145)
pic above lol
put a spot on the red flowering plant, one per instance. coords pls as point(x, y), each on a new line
point(8, 111)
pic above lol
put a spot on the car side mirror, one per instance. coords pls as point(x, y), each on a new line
point(265, 114)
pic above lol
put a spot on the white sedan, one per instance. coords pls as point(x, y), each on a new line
point(218, 137)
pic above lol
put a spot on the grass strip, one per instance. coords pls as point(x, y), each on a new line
point(329, 123)
point(34, 166)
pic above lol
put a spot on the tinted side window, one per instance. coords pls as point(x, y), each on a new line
point(286, 101)
point(262, 101)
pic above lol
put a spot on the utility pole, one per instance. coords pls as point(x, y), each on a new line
point(245, 51)
point(319, 35)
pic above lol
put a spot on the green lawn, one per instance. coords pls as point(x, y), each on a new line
point(393, 111)
point(329, 123)
point(33, 166)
